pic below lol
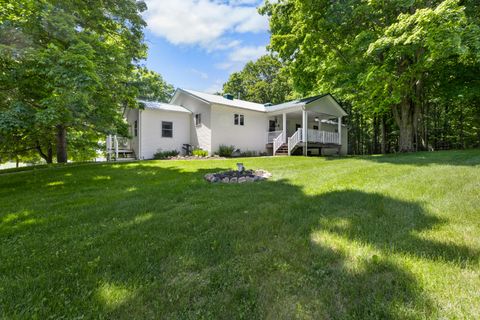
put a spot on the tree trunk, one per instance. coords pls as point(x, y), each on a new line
point(404, 117)
point(47, 157)
point(384, 136)
point(61, 144)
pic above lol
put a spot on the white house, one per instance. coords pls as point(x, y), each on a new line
point(206, 121)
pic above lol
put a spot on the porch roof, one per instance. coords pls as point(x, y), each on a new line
point(324, 103)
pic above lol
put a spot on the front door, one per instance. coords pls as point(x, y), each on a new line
point(297, 126)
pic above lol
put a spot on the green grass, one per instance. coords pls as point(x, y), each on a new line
point(325, 238)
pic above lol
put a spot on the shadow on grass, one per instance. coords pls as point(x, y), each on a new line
point(150, 242)
point(457, 158)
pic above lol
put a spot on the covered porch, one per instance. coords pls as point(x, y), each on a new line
point(305, 125)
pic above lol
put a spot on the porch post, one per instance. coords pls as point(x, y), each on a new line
point(284, 126)
point(304, 131)
point(116, 147)
point(340, 130)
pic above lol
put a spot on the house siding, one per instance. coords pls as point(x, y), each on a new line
point(201, 135)
point(252, 136)
point(151, 134)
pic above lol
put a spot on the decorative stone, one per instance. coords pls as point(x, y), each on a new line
point(237, 176)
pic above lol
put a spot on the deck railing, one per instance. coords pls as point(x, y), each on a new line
point(278, 142)
point(272, 135)
point(323, 137)
point(295, 139)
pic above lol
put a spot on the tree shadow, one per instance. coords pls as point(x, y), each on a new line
point(152, 242)
point(451, 158)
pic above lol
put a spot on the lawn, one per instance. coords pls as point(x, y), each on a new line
point(376, 237)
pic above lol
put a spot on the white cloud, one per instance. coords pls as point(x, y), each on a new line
point(201, 74)
point(203, 22)
point(215, 87)
point(239, 56)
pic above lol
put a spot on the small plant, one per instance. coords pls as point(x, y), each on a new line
point(165, 154)
point(225, 151)
point(247, 154)
point(200, 153)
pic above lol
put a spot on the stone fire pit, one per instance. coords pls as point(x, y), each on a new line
point(238, 176)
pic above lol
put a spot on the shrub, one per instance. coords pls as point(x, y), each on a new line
point(165, 154)
point(200, 153)
point(248, 154)
point(225, 151)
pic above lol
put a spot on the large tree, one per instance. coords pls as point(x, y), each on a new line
point(381, 57)
point(261, 81)
point(66, 71)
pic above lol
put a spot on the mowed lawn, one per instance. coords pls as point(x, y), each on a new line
point(378, 237)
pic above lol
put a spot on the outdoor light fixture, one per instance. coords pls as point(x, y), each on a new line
point(317, 119)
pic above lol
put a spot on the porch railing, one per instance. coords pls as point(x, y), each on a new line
point(295, 139)
point(278, 142)
point(323, 137)
point(272, 135)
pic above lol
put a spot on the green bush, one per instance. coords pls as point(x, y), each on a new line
point(248, 154)
point(200, 153)
point(225, 151)
point(165, 154)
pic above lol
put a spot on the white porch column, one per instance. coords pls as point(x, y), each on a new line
point(116, 147)
point(339, 130)
point(284, 126)
point(304, 131)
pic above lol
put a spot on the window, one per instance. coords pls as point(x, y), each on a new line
point(315, 127)
point(167, 129)
point(198, 119)
point(238, 119)
point(135, 128)
point(272, 125)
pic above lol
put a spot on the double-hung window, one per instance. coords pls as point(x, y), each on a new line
point(238, 120)
point(167, 129)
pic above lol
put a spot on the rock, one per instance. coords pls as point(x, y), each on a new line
point(209, 176)
point(226, 180)
point(234, 180)
point(242, 180)
point(250, 179)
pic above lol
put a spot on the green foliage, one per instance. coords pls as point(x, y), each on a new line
point(161, 155)
point(262, 81)
point(248, 153)
point(350, 238)
point(151, 86)
point(66, 65)
point(225, 151)
point(403, 63)
point(200, 153)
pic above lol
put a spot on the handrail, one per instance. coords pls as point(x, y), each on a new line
point(295, 139)
point(278, 142)
point(271, 135)
point(325, 137)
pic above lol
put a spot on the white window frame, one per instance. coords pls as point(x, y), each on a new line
point(171, 130)
point(198, 119)
point(239, 119)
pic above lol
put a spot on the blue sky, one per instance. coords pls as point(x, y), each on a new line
point(196, 44)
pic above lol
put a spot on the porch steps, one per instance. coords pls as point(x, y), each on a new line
point(282, 151)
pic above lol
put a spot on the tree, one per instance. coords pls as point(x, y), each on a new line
point(262, 81)
point(151, 86)
point(384, 58)
point(65, 74)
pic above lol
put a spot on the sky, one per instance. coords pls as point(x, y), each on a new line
point(197, 44)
